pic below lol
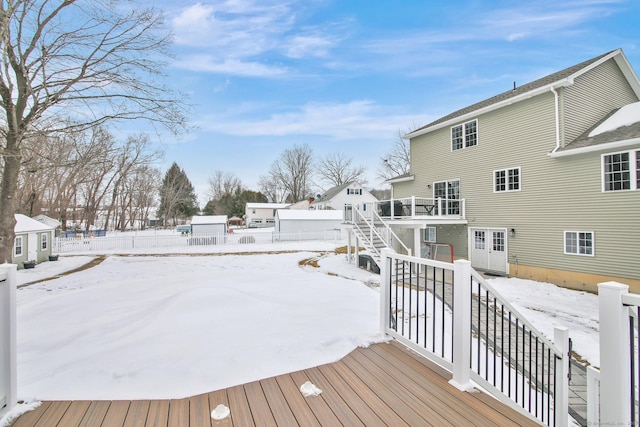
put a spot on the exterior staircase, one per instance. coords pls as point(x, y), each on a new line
point(375, 234)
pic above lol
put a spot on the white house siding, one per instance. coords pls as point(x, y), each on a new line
point(294, 221)
point(594, 95)
point(557, 194)
point(208, 228)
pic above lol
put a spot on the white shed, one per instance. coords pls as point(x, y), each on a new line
point(294, 221)
point(209, 224)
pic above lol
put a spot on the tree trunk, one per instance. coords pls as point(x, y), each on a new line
point(10, 173)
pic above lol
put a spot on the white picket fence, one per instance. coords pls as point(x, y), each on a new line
point(8, 378)
point(105, 243)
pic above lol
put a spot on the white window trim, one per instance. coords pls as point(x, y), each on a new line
point(577, 232)
point(506, 170)
point(429, 232)
point(44, 241)
point(16, 246)
point(464, 138)
point(633, 172)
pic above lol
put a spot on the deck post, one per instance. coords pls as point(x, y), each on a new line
point(593, 396)
point(385, 286)
point(561, 408)
point(8, 360)
point(461, 325)
point(615, 375)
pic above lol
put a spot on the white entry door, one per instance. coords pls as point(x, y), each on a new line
point(489, 249)
point(32, 247)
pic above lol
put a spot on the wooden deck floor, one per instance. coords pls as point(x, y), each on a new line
point(385, 384)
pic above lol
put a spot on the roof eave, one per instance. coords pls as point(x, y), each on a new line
point(617, 55)
point(401, 179)
point(595, 148)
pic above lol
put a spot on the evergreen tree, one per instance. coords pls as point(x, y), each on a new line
point(177, 196)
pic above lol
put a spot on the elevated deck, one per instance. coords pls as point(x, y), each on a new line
point(385, 384)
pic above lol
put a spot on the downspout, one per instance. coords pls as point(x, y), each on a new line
point(557, 105)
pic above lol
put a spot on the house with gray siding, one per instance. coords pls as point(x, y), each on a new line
point(539, 182)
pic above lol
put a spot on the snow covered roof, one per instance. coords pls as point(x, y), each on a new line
point(47, 220)
point(209, 219)
point(625, 116)
point(620, 129)
point(267, 205)
point(24, 224)
point(314, 215)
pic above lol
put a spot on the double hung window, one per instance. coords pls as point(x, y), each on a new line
point(621, 171)
point(464, 135)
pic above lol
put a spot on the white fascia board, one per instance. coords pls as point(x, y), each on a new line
point(595, 148)
point(475, 113)
point(617, 54)
point(403, 179)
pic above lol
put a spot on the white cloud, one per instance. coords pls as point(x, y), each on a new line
point(230, 66)
point(310, 45)
point(342, 121)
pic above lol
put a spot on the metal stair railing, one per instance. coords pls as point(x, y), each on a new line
point(369, 231)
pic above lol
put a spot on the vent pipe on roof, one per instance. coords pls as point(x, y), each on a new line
point(514, 86)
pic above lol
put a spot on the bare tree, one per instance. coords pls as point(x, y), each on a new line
point(336, 169)
point(95, 61)
point(291, 173)
point(397, 162)
point(273, 190)
point(223, 183)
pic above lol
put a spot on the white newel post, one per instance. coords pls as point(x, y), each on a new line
point(615, 375)
point(561, 409)
point(461, 325)
point(8, 360)
point(385, 285)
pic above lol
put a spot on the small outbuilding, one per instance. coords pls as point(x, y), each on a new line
point(209, 224)
point(311, 221)
point(33, 241)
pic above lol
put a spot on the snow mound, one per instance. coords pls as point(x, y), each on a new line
point(220, 413)
point(625, 116)
point(309, 389)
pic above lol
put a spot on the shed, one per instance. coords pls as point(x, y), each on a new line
point(33, 240)
point(294, 221)
point(209, 224)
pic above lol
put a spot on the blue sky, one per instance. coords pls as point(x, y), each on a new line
point(346, 76)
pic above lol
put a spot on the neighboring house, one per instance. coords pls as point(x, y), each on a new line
point(349, 194)
point(302, 204)
point(209, 224)
point(32, 242)
point(49, 221)
point(539, 182)
point(262, 214)
point(308, 221)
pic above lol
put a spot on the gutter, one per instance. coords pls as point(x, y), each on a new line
point(595, 148)
point(557, 105)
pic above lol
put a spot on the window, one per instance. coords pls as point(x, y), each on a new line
point(506, 180)
point(17, 246)
point(464, 135)
point(479, 240)
point(578, 243)
point(44, 243)
point(621, 171)
point(430, 234)
point(356, 191)
point(449, 192)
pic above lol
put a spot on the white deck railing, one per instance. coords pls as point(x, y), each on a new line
point(420, 207)
point(84, 244)
point(8, 378)
point(619, 376)
point(449, 314)
point(371, 227)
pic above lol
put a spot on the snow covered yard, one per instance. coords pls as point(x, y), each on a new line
point(171, 325)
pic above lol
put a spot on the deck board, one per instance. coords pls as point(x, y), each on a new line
point(386, 384)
